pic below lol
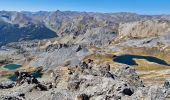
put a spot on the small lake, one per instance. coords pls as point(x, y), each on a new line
point(129, 59)
point(12, 66)
point(35, 74)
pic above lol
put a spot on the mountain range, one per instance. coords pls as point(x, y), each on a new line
point(21, 26)
point(69, 55)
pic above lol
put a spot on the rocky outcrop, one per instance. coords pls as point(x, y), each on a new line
point(83, 84)
point(60, 55)
point(7, 85)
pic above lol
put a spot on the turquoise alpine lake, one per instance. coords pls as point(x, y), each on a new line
point(12, 66)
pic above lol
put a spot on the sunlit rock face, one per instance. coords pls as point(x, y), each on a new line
point(143, 29)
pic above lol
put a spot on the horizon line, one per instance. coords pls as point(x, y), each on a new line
point(85, 12)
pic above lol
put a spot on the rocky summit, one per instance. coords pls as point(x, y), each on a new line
point(69, 55)
point(83, 82)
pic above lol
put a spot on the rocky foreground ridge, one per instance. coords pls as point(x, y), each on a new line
point(87, 81)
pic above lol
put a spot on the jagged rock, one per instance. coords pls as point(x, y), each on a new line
point(41, 87)
point(108, 74)
point(53, 79)
point(129, 74)
point(78, 48)
point(82, 97)
point(84, 65)
point(167, 84)
point(10, 98)
point(74, 82)
point(103, 70)
point(74, 85)
point(7, 85)
point(156, 93)
point(90, 63)
point(22, 77)
point(167, 93)
point(123, 84)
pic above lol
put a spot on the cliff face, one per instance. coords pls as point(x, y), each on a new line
point(143, 29)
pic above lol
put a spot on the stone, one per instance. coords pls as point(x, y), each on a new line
point(156, 93)
point(167, 84)
point(127, 91)
point(7, 84)
point(73, 85)
point(82, 97)
point(53, 77)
